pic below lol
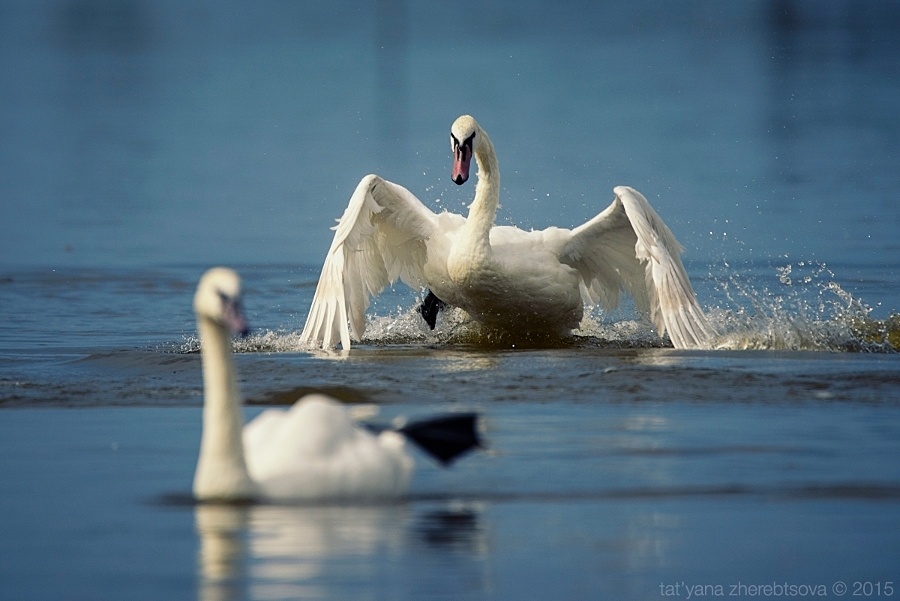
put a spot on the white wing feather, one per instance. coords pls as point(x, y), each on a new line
point(628, 247)
point(380, 238)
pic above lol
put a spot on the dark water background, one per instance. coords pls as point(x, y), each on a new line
point(141, 142)
point(149, 132)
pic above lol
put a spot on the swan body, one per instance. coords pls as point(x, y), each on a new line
point(312, 451)
point(506, 278)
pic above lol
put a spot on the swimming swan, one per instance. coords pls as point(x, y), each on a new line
point(504, 277)
point(313, 451)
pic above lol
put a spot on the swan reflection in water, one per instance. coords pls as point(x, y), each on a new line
point(290, 552)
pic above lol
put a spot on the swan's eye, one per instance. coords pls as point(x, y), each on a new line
point(467, 143)
point(233, 313)
point(229, 303)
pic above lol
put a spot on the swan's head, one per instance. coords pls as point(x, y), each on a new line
point(465, 136)
point(218, 298)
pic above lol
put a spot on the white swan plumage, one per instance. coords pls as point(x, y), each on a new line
point(312, 451)
point(504, 277)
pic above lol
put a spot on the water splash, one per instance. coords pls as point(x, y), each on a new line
point(455, 328)
point(796, 306)
point(802, 308)
point(262, 341)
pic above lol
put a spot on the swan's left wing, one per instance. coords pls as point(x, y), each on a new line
point(628, 247)
point(379, 239)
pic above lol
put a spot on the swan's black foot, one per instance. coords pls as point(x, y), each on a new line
point(430, 308)
point(445, 438)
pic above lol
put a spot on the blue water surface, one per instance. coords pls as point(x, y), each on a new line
point(146, 132)
point(142, 142)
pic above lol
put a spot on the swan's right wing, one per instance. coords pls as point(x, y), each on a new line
point(379, 239)
point(628, 246)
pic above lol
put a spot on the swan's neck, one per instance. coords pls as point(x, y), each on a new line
point(221, 469)
point(483, 209)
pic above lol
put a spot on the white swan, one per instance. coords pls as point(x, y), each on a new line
point(315, 450)
point(504, 277)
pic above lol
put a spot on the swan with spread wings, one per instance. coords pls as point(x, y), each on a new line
point(531, 282)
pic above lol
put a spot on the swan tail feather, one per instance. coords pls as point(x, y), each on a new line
point(329, 317)
point(379, 238)
point(326, 324)
point(672, 303)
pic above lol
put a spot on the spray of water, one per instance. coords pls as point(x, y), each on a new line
point(802, 307)
point(797, 306)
